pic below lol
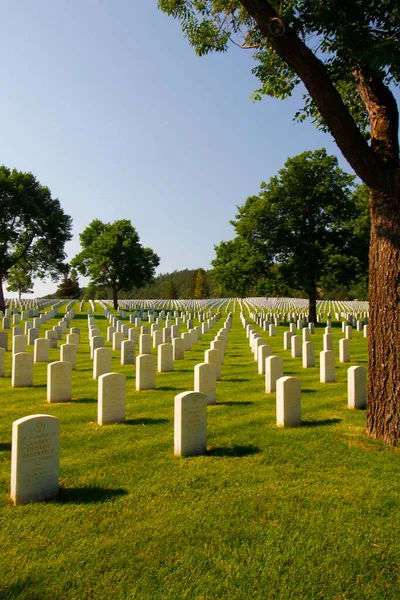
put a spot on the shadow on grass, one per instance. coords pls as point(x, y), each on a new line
point(308, 391)
point(86, 400)
point(233, 451)
point(40, 385)
point(170, 388)
point(144, 421)
point(321, 423)
point(5, 446)
point(233, 403)
point(88, 495)
point(236, 379)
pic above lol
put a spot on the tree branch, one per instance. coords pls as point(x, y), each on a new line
point(315, 77)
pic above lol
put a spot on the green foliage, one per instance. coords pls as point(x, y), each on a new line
point(33, 227)
point(201, 289)
point(112, 256)
point(19, 279)
point(306, 229)
point(178, 284)
point(69, 286)
point(348, 37)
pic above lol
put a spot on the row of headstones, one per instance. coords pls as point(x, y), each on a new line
point(59, 376)
point(36, 438)
point(35, 459)
point(272, 367)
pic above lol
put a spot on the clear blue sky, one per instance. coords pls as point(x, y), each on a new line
point(106, 103)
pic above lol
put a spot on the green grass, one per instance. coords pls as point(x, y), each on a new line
point(268, 513)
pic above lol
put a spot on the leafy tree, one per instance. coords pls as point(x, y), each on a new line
point(20, 280)
point(113, 256)
point(301, 224)
point(201, 285)
point(237, 267)
point(347, 56)
point(69, 286)
point(33, 227)
point(170, 290)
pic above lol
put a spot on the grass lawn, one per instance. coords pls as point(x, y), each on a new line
point(305, 513)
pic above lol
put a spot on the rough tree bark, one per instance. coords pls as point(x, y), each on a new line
point(377, 164)
point(2, 301)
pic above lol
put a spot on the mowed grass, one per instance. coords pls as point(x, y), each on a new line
point(268, 513)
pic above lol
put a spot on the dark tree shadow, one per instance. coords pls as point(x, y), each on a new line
point(233, 403)
point(144, 421)
point(85, 400)
point(5, 446)
point(321, 423)
point(233, 451)
point(170, 388)
point(236, 379)
point(88, 495)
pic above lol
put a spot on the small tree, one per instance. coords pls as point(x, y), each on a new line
point(69, 286)
point(20, 280)
point(112, 256)
point(201, 288)
point(33, 227)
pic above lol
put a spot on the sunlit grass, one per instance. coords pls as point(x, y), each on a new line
point(302, 513)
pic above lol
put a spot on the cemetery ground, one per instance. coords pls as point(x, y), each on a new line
point(269, 513)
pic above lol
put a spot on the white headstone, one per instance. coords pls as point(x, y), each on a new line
point(111, 398)
point(41, 350)
point(327, 366)
point(205, 381)
point(59, 381)
point(288, 402)
point(127, 353)
point(178, 347)
point(190, 424)
point(165, 358)
point(35, 459)
point(308, 354)
point(273, 371)
point(357, 387)
point(145, 372)
point(22, 370)
point(101, 362)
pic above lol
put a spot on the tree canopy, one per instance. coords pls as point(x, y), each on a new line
point(112, 256)
point(20, 280)
point(301, 227)
point(347, 55)
point(33, 227)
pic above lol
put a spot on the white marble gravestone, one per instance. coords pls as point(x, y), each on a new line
point(111, 398)
point(59, 381)
point(18, 343)
point(327, 366)
point(145, 372)
point(288, 402)
point(357, 387)
point(190, 424)
point(35, 459)
point(41, 350)
point(273, 371)
point(22, 370)
point(127, 353)
point(308, 351)
point(101, 362)
point(214, 357)
point(165, 358)
point(145, 343)
point(178, 348)
point(68, 354)
point(205, 381)
point(344, 350)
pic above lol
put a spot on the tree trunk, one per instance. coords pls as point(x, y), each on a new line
point(312, 308)
point(383, 406)
point(2, 301)
point(115, 297)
